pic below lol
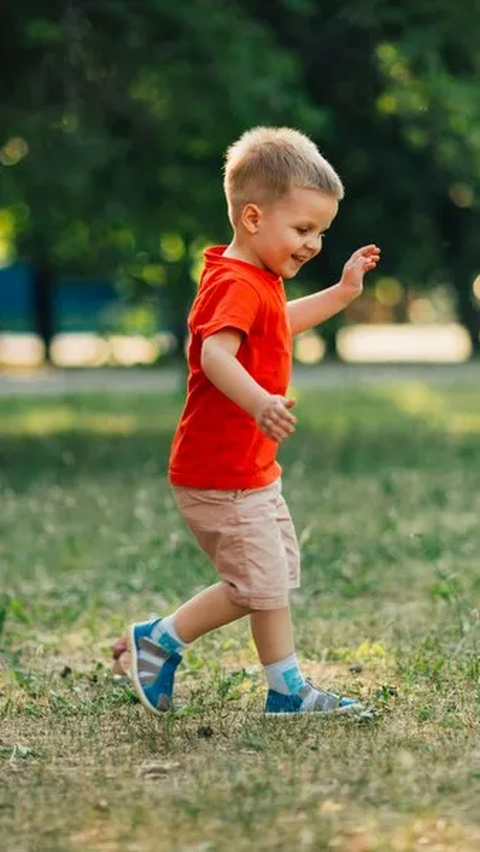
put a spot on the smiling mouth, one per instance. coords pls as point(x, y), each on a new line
point(299, 259)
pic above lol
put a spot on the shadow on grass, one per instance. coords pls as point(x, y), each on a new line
point(98, 437)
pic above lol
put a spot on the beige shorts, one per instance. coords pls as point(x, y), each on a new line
point(250, 538)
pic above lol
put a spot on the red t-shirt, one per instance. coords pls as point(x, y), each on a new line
point(217, 444)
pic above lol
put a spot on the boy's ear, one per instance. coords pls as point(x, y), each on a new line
point(251, 215)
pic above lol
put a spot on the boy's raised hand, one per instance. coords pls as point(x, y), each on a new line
point(275, 419)
point(362, 261)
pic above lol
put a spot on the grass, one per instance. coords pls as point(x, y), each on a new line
point(384, 486)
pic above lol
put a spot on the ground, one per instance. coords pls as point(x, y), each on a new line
point(383, 481)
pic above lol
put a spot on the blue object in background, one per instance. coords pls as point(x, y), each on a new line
point(16, 298)
point(85, 305)
point(79, 305)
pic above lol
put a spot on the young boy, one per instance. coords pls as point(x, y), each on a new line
point(282, 196)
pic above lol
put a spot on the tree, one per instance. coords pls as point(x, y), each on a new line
point(116, 116)
point(115, 132)
point(397, 86)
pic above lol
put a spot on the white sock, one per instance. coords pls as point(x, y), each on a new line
point(285, 676)
point(165, 634)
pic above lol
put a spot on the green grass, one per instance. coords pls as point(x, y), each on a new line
point(384, 486)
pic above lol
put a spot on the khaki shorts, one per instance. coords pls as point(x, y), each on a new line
point(250, 538)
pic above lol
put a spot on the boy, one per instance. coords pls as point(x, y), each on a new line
point(282, 196)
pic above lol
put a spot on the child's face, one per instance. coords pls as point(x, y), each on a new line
point(289, 231)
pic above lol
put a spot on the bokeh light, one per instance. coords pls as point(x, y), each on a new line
point(7, 234)
point(84, 349)
point(421, 310)
point(21, 350)
point(13, 151)
point(172, 247)
point(309, 348)
point(476, 287)
point(462, 195)
point(388, 291)
point(403, 343)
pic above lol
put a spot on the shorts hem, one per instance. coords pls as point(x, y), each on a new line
point(255, 603)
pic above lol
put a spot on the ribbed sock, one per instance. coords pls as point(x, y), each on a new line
point(285, 676)
point(164, 633)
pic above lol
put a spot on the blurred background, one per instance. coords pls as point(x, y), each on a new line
point(114, 119)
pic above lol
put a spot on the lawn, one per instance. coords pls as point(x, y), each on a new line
point(384, 487)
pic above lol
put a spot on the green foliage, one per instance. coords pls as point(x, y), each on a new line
point(115, 118)
point(125, 111)
point(398, 89)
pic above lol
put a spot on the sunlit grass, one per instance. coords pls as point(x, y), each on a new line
point(384, 486)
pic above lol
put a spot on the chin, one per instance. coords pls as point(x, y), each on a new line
point(284, 271)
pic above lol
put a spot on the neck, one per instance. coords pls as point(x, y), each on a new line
point(237, 250)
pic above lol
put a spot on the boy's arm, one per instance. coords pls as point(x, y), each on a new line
point(227, 374)
point(310, 311)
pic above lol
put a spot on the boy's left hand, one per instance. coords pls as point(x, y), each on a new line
point(362, 261)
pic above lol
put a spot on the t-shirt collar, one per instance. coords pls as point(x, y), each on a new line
point(214, 256)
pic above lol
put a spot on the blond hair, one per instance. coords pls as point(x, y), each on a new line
point(266, 162)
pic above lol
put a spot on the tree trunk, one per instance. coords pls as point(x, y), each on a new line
point(180, 333)
point(180, 295)
point(43, 309)
point(330, 339)
point(468, 313)
point(459, 230)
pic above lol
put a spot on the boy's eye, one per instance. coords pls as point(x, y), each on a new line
point(304, 231)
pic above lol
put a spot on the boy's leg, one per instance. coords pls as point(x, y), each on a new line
point(206, 611)
point(273, 634)
point(288, 691)
point(155, 646)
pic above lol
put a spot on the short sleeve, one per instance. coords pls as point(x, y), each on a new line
point(229, 304)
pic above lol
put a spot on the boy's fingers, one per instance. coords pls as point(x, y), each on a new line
point(274, 416)
point(366, 251)
point(277, 429)
point(287, 406)
point(276, 421)
point(287, 425)
point(280, 436)
point(359, 253)
point(282, 416)
point(273, 434)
